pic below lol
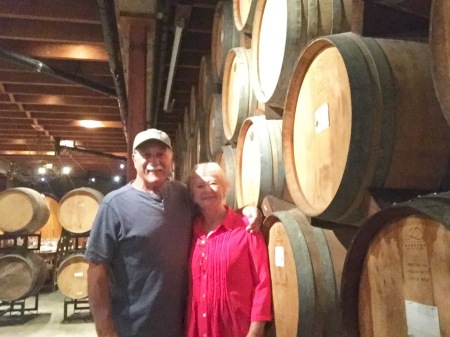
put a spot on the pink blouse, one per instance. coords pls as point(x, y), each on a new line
point(229, 280)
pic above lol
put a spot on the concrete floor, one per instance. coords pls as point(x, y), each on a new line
point(48, 320)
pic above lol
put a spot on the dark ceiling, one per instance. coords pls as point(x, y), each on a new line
point(41, 105)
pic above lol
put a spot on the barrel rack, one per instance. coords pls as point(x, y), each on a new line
point(73, 243)
point(19, 311)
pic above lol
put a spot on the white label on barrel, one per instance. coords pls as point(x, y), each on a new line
point(79, 274)
point(322, 118)
point(422, 319)
point(279, 256)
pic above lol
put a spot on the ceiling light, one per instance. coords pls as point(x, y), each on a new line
point(92, 180)
point(116, 179)
point(28, 153)
point(66, 170)
point(122, 166)
point(90, 124)
point(42, 170)
point(67, 143)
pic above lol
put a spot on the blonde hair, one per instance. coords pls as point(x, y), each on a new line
point(212, 169)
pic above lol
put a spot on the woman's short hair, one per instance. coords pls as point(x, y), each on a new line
point(212, 169)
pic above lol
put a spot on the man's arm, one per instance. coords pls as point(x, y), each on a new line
point(100, 300)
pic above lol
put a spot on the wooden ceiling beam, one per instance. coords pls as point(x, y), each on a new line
point(68, 109)
point(81, 11)
point(65, 100)
point(80, 68)
point(71, 51)
point(47, 31)
point(33, 89)
point(24, 77)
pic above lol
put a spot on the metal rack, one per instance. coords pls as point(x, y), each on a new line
point(28, 241)
point(81, 310)
point(18, 312)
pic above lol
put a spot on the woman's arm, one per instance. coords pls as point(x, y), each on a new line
point(100, 300)
point(261, 310)
point(256, 329)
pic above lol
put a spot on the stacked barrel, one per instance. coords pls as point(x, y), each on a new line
point(23, 211)
point(62, 228)
point(325, 118)
point(76, 212)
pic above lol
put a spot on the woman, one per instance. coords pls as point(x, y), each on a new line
point(229, 291)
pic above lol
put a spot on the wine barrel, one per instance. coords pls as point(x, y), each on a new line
point(72, 276)
point(52, 229)
point(78, 208)
point(361, 113)
point(214, 133)
point(305, 266)
point(224, 36)
point(416, 7)
point(281, 29)
point(206, 84)
point(259, 162)
point(243, 13)
point(188, 131)
point(22, 274)
point(439, 41)
point(194, 112)
point(22, 210)
point(188, 158)
point(238, 100)
point(397, 263)
point(225, 157)
point(201, 142)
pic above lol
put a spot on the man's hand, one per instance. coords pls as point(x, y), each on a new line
point(255, 218)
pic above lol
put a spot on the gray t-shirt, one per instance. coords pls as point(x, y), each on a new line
point(145, 240)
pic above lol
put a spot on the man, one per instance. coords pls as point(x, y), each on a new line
point(139, 246)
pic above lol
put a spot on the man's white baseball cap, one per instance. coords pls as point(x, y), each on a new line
point(151, 134)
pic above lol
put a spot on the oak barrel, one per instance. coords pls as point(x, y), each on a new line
point(194, 111)
point(281, 29)
point(22, 274)
point(201, 140)
point(188, 130)
point(22, 210)
point(305, 266)
point(439, 41)
point(243, 13)
point(78, 208)
point(206, 84)
point(224, 36)
point(398, 263)
point(259, 167)
point(225, 157)
point(52, 229)
point(361, 113)
point(72, 276)
point(214, 134)
point(238, 99)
